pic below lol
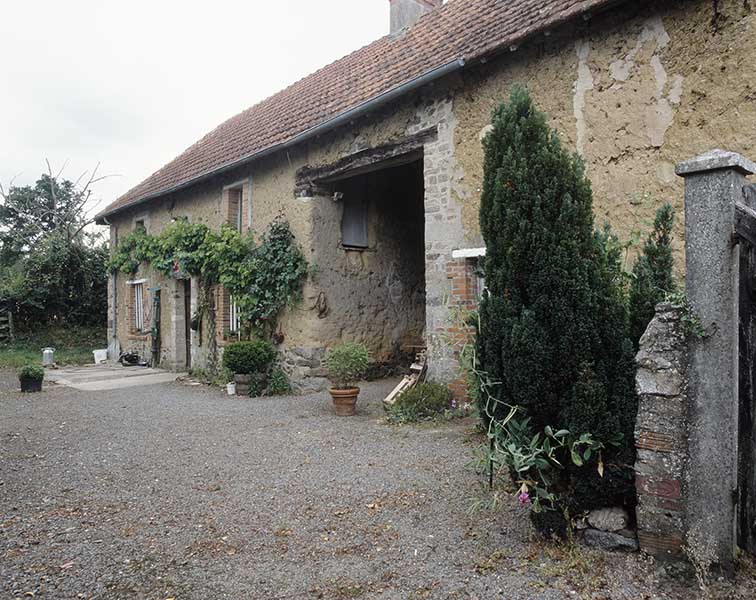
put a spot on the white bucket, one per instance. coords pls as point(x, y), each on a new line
point(100, 356)
point(48, 357)
point(231, 389)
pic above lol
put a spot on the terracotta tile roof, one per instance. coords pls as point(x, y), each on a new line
point(461, 29)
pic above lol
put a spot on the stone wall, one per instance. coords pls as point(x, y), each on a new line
point(661, 434)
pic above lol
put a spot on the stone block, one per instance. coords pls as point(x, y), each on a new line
point(652, 463)
point(612, 542)
point(609, 519)
point(658, 383)
point(660, 520)
point(307, 385)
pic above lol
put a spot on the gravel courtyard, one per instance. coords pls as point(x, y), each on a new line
point(177, 491)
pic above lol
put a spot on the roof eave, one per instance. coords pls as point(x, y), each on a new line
point(340, 119)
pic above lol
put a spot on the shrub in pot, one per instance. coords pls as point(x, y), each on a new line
point(249, 362)
point(30, 377)
point(346, 364)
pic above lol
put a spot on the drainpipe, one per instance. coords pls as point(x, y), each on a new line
point(112, 346)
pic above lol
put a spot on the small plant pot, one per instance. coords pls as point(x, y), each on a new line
point(242, 383)
point(31, 385)
point(345, 401)
point(231, 389)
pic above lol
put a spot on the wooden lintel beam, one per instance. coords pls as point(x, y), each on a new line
point(745, 223)
point(366, 160)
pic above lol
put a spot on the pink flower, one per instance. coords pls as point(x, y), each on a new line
point(524, 498)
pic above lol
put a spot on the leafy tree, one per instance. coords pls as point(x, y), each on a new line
point(28, 214)
point(653, 278)
point(51, 269)
point(553, 327)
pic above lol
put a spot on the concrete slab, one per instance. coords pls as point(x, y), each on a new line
point(108, 377)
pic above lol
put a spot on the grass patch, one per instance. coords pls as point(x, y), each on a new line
point(73, 346)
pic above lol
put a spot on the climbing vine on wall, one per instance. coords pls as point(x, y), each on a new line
point(262, 278)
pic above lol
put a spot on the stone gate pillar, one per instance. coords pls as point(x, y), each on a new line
point(713, 183)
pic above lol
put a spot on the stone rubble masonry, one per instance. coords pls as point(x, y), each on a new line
point(661, 434)
point(304, 366)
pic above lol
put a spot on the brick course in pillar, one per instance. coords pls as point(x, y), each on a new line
point(463, 298)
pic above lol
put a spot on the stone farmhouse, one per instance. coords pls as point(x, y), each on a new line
point(376, 162)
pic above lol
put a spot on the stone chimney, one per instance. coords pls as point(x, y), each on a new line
point(405, 12)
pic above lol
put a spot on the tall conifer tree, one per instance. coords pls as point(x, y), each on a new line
point(553, 327)
point(653, 275)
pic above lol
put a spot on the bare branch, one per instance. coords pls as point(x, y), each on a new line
point(52, 191)
point(5, 194)
point(65, 162)
point(79, 178)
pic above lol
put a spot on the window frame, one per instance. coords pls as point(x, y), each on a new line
point(234, 322)
point(138, 289)
point(240, 219)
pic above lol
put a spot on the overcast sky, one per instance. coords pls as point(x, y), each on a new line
point(132, 84)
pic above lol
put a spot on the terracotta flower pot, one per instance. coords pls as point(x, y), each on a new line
point(31, 385)
point(345, 401)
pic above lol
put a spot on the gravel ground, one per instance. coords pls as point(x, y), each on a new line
point(177, 491)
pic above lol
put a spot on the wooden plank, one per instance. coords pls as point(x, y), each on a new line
point(406, 383)
point(745, 223)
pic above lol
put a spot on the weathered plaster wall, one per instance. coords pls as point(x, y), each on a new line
point(366, 299)
point(635, 92)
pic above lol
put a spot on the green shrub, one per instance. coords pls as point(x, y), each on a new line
point(246, 358)
point(278, 383)
point(424, 401)
point(34, 372)
point(347, 364)
point(653, 278)
point(553, 341)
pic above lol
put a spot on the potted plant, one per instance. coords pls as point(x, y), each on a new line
point(346, 364)
point(249, 362)
point(30, 377)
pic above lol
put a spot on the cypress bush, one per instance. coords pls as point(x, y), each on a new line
point(652, 273)
point(553, 326)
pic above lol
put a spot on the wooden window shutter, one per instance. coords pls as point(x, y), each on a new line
point(354, 221)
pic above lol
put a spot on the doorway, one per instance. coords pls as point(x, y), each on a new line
point(377, 283)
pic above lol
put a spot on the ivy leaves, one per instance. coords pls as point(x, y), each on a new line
point(271, 277)
point(262, 279)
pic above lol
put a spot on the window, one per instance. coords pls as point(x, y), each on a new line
point(139, 225)
point(233, 315)
point(138, 305)
point(354, 230)
point(236, 208)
